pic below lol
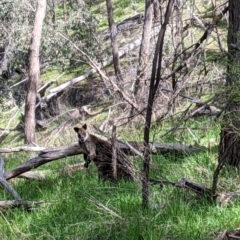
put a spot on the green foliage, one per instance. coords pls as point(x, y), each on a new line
point(17, 18)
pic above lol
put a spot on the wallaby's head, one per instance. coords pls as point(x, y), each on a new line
point(82, 133)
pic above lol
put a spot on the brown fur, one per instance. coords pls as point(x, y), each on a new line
point(100, 152)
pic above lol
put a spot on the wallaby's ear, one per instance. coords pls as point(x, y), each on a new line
point(84, 126)
point(76, 129)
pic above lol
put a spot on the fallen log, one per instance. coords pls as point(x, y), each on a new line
point(129, 148)
point(187, 184)
point(51, 154)
point(155, 148)
point(45, 156)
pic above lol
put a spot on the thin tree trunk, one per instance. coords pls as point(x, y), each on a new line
point(156, 10)
point(65, 10)
point(34, 74)
point(154, 83)
point(230, 139)
point(114, 153)
point(113, 35)
point(144, 49)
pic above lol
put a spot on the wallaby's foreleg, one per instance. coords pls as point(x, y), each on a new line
point(87, 160)
point(91, 156)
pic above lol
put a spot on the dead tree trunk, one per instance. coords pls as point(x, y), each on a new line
point(34, 74)
point(113, 36)
point(154, 82)
point(156, 10)
point(144, 49)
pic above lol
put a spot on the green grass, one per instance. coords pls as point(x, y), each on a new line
point(78, 206)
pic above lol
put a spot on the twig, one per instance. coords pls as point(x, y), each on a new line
point(199, 21)
point(134, 150)
point(96, 68)
point(187, 184)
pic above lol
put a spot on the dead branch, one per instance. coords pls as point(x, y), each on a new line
point(222, 235)
point(45, 156)
point(51, 154)
point(189, 113)
point(199, 21)
point(21, 149)
point(108, 61)
point(207, 110)
point(130, 148)
point(194, 48)
point(97, 68)
point(18, 83)
point(87, 109)
point(134, 150)
point(5, 184)
point(176, 148)
point(226, 235)
point(42, 89)
point(187, 184)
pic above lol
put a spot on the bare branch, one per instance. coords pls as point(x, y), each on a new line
point(5, 184)
point(45, 156)
point(21, 149)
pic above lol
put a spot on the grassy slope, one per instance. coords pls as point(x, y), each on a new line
point(80, 207)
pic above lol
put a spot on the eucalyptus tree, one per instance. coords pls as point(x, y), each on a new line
point(113, 36)
point(34, 74)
